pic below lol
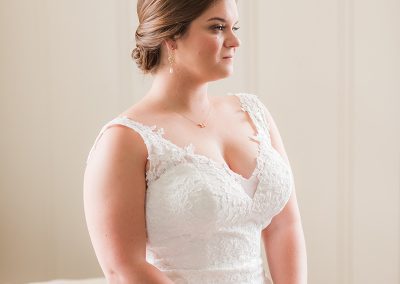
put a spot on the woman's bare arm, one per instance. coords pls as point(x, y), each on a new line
point(114, 202)
point(284, 238)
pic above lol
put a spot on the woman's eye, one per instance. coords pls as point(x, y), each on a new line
point(221, 28)
point(218, 27)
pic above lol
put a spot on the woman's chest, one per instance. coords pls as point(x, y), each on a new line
point(196, 195)
point(229, 137)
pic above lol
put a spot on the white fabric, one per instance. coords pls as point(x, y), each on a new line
point(203, 220)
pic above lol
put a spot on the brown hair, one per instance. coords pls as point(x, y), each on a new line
point(160, 20)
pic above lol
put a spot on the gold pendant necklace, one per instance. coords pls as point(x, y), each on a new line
point(201, 124)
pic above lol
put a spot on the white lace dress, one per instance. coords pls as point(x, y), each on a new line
point(203, 220)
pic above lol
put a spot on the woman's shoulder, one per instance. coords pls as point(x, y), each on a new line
point(120, 135)
point(138, 110)
point(144, 112)
point(116, 139)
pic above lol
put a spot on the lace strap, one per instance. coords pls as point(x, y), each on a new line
point(257, 110)
point(146, 132)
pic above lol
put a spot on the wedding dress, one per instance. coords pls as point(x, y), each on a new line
point(203, 220)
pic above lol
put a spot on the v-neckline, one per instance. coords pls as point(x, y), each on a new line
point(190, 150)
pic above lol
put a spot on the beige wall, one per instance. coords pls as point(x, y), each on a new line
point(328, 71)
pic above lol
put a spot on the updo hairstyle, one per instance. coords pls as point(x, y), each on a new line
point(160, 20)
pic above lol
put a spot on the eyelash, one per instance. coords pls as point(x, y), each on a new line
point(218, 27)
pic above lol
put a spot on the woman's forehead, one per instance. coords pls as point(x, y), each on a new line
point(221, 10)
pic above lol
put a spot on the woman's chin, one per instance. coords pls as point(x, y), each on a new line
point(221, 76)
point(228, 72)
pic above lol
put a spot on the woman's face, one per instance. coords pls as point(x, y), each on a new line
point(206, 51)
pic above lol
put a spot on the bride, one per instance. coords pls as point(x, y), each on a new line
point(182, 186)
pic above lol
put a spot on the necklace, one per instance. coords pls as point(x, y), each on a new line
point(201, 124)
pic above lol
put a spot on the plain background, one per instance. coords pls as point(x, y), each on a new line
point(328, 71)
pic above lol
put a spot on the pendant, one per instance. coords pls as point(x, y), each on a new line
point(202, 125)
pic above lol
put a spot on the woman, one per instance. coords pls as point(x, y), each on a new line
point(182, 186)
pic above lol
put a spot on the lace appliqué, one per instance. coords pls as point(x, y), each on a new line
point(202, 227)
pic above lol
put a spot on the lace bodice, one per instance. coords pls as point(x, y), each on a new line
point(202, 226)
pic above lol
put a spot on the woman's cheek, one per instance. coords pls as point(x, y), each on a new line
point(212, 44)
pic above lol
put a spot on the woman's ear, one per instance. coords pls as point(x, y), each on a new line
point(170, 44)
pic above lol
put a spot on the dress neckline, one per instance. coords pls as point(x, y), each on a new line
point(190, 150)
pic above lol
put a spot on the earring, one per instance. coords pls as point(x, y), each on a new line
point(171, 60)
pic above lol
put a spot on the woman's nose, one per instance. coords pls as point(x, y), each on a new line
point(233, 40)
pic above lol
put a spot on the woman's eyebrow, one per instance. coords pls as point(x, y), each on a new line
point(218, 19)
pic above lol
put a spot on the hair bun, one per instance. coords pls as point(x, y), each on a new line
point(138, 55)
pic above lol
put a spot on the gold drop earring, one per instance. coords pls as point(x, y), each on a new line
point(171, 60)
